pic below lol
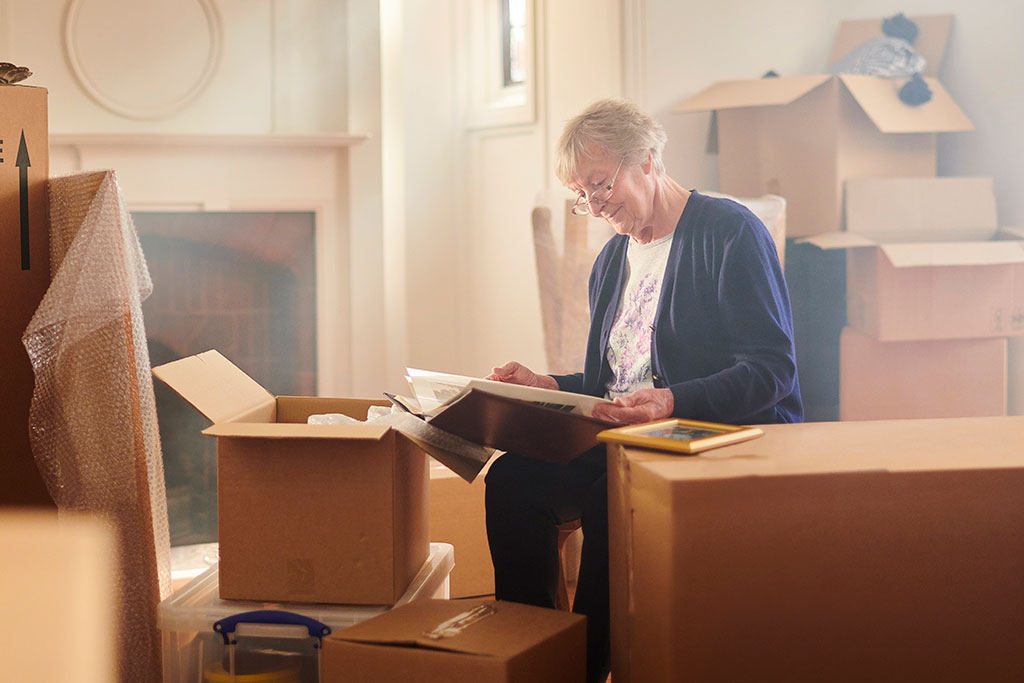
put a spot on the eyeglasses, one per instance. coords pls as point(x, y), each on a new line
point(598, 198)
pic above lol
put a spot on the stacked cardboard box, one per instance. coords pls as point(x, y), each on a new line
point(928, 280)
point(928, 320)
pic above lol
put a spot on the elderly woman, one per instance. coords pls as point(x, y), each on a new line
point(690, 318)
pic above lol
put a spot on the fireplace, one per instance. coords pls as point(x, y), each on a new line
point(240, 282)
point(247, 243)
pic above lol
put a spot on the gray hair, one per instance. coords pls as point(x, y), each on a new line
point(617, 127)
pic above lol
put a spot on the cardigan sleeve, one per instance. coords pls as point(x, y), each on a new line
point(754, 330)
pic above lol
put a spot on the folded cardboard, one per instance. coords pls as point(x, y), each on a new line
point(306, 513)
point(929, 209)
point(927, 260)
point(823, 551)
point(882, 380)
point(459, 641)
point(25, 272)
point(916, 209)
point(457, 517)
point(801, 136)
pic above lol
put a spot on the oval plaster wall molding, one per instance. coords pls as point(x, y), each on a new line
point(180, 92)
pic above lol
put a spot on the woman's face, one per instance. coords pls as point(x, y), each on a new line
point(628, 206)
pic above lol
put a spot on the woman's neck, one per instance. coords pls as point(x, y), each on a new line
point(669, 201)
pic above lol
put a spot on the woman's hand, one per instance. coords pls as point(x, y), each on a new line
point(643, 405)
point(517, 373)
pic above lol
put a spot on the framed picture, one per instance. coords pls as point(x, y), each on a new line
point(680, 436)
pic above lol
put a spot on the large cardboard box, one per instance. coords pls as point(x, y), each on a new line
point(25, 272)
point(459, 641)
point(801, 137)
point(457, 516)
point(926, 260)
point(306, 513)
point(59, 577)
point(882, 380)
point(824, 551)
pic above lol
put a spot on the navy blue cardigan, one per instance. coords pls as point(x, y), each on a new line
point(723, 331)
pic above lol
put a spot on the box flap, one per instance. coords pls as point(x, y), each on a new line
point(953, 253)
point(933, 33)
point(279, 430)
point(751, 92)
point(214, 386)
point(879, 98)
point(921, 209)
point(1010, 233)
point(479, 627)
point(837, 240)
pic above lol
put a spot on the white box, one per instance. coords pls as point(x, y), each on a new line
point(194, 653)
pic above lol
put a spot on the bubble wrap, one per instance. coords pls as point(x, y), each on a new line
point(92, 422)
point(889, 57)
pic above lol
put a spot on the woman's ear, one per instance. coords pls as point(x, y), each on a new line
point(649, 164)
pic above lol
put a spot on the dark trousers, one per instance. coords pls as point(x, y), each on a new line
point(526, 500)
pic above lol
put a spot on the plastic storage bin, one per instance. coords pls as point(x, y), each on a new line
point(266, 653)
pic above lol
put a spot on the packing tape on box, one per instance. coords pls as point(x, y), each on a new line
point(460, 622)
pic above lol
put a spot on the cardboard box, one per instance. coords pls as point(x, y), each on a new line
point(306, 513)
point(459, 641)
point(25, 272)
point(948, 290)
point(882, 380)
point(927, 260)
point(801, 137)
point(1015, 376)
point(191, 647)
point(59, 577)
point(822, 551)
point(927, 209)
point(457, 516)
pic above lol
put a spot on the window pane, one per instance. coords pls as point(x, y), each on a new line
point(513, 26)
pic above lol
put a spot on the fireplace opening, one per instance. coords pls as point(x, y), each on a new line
point(243, 283)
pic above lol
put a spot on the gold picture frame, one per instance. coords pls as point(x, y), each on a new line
point(679, 436)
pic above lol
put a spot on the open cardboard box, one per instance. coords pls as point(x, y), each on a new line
point(306, 513)
point(801, 136)
point(903, 284)
point(886, 550)
point(459, 641)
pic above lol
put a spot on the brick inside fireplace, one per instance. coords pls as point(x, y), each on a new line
point(243, 283)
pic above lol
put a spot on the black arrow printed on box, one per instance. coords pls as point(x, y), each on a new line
point(23, 163)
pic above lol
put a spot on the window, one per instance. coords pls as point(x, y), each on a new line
point(498, 61)
point(513, 35)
